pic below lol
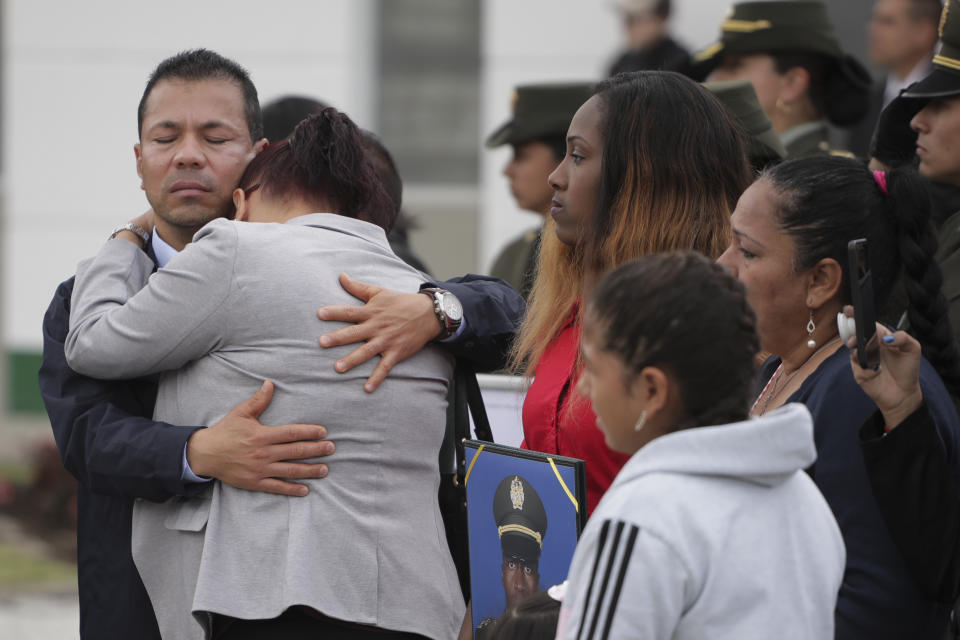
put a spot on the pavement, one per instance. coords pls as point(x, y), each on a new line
point(40, 617)
point(47, 610)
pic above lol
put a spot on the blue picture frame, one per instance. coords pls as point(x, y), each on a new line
point(510, 476)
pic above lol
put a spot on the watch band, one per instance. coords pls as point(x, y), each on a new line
point(135, 229)
point(448, 325)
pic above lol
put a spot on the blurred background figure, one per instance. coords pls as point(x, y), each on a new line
point(902, 39)
point(803, 79)
point(282, 115)
point(922, 126)
point(740, 99)
point(649, 45)
point(537, 134)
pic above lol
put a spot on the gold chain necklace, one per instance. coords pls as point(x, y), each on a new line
point(769, 393)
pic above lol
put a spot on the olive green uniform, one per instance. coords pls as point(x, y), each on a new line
point(517, 263)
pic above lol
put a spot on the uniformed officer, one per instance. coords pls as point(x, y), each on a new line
point(537, 132)
point(521, 525)
point(923, 123)
point(803, 79)
point(740, 99)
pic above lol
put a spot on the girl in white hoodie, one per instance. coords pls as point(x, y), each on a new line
point(712, 529)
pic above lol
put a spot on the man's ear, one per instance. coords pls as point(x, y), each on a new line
point(825, 280)
point(240, 202)
point(139, 157)
point(260, 145)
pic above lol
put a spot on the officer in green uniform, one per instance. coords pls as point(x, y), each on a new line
point(740, 99)
point(537, 132)
point(521, 525)
point(923, 123)
point(803, 79)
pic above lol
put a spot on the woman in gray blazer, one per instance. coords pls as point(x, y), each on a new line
point(364, 552)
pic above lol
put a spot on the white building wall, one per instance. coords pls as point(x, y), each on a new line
point(73, 74)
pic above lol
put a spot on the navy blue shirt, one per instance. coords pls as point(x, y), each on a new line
point(878, 598)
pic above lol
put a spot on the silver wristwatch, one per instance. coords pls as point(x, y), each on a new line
point(135, 229)
point(448, 309)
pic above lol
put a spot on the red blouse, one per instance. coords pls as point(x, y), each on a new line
point(557, 420)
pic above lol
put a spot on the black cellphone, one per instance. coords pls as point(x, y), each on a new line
point(861, 290)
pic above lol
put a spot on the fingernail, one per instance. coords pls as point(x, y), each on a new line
point(302, 491)
point(887, 339)
point(322, 433)
point(338, 365)
point(322, 314)
point(324, 341)
point(263, 387)
point(323, 471)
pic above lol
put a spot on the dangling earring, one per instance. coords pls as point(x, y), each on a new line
point(641, 421)
point(783, 106)
point(811, 327)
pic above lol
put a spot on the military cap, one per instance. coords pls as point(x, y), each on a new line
point(797, 26)
point(944, 80)
point(740, 99)
point(520, 517)
point(540, 111)
point(641, 7)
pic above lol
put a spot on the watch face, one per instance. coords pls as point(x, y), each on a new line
point(451, 307)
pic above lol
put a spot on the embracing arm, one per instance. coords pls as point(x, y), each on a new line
point(397, 325)
point(102, 429)
point(125, 323)
point(110, 445)
point(492, 310)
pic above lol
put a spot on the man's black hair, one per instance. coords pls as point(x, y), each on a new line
point(203, 64)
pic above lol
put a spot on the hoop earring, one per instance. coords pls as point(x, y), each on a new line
point(811, 327)
point(641, 421)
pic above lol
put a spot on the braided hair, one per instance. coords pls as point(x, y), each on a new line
point(826, 202)
point(686, 315)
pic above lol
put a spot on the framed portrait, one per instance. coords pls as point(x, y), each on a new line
point(525, 512)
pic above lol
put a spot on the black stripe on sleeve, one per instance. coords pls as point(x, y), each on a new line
point(601, 543)
point(624, 563)
point(606, 579)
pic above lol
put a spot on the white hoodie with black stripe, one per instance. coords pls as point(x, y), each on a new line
point(711, 532)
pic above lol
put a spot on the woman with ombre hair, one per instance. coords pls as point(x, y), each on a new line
point(653, 164)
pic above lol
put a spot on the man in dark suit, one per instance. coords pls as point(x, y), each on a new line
point(902, 39)
point(103, 429)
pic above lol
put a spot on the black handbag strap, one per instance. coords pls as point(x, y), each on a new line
point(468, 401)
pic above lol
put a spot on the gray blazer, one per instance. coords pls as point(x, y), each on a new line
point(236, 307)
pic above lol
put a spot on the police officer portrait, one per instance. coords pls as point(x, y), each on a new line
point(524, 522)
